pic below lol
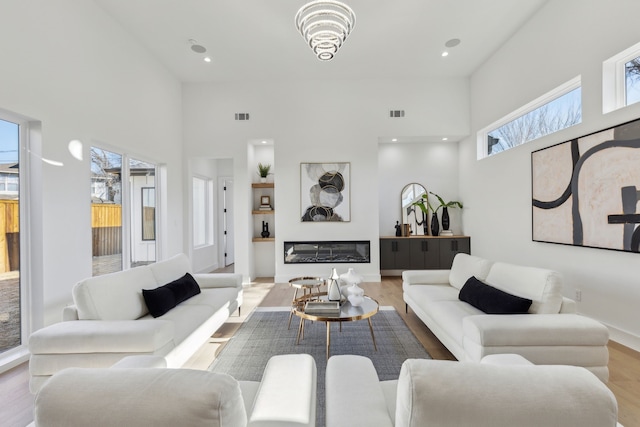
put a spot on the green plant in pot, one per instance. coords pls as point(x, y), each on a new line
point(263, 171)
point(426, 206)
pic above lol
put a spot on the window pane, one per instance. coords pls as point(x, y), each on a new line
point(632, 80)
point(199, 211)
point(142, 178)
point(556, 115)
point(10, 310)
point(106, 211)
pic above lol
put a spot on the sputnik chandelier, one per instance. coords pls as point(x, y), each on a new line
point(325, 25)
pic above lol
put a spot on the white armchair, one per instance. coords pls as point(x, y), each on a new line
point(135, 392)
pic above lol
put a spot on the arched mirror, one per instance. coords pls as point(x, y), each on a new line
point(414, 221)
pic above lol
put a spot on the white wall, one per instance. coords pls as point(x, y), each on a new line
point(432, 164)
point(565, 39)
point(68, 65)
point(316, 121)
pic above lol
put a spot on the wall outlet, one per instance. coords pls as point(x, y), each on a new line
point(578, 296)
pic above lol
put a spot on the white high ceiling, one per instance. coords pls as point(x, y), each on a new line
point(257, 39)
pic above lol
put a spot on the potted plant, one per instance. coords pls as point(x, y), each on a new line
point(263, 171)
point(425, 206)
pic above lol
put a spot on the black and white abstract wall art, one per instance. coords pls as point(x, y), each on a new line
point(324, 192)
point(585, 191)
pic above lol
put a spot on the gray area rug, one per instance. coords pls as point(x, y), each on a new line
point(265, 334)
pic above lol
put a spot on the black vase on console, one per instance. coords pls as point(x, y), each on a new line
point(435, 225)
point(445, 218)
point(265, 230)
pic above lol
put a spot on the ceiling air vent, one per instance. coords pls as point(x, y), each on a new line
point(396, 113)
point(242, 116)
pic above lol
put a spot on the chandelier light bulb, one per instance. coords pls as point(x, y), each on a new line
point(325, 25)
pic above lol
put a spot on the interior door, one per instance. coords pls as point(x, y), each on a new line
point(228, 222)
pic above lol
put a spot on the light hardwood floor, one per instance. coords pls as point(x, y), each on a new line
point(16, 403)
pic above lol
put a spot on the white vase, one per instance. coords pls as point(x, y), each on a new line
point(350, 277)
point(263, 179)
point(333, 287)
point(355, 294)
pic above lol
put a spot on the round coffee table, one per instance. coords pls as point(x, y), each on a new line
point(307, 284)
point(348, 313)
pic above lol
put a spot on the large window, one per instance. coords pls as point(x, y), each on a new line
point(552, 112)
point(10, 287)
point(621, 79)
point(202, 211)
point(106, 211)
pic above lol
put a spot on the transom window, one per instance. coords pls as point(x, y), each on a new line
point(621, 79)
point(552, 112)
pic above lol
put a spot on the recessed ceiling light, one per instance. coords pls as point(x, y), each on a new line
point(452, 43)
point(264, 142)
point(394, 140)
point(445, 139)
point(207, 59)
point(445, 53)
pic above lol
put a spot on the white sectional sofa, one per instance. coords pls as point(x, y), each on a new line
point(502, 391)
point(110, 320)
point(133, 393)
point(550, 333)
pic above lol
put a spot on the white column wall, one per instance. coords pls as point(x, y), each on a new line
point(317, 121)
point(566, 38)
point(69, 65)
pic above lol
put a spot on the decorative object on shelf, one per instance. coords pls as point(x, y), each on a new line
point(265, 230)
point(585, 191)
point(265, 203)
point(325, 25)
point(333, 286)
point(435, 225)
point(398, 229)
point(263, 171)
point(324, 192)
point(425, 206)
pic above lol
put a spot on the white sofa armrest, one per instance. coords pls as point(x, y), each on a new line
point(505, 359)
point(287, 393)
point(354, 394)
point(425, 277)
point(70, 313)
point(98, 336)
point(141, 361)
point(219, 280)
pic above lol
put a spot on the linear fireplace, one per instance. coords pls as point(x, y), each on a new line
point(335, 251)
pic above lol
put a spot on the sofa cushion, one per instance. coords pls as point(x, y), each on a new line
point(492, 300)
point(140, 397)
point(171, 269)
point(115, 296)
point(543, 287)
point(162, 299)
point(465, 266)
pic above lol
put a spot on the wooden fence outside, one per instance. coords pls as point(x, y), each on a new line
point(106, 229)
point(9, 235)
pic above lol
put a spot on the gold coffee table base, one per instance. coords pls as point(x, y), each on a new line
point(307, 284)
point(348, 313)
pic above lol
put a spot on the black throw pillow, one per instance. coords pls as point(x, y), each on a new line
point(184, 288)
point(492, 300)
point(159, 300)
point(164, 298)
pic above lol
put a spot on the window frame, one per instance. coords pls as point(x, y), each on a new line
point(614, 79)
point(208, 203)
point(552, 95)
